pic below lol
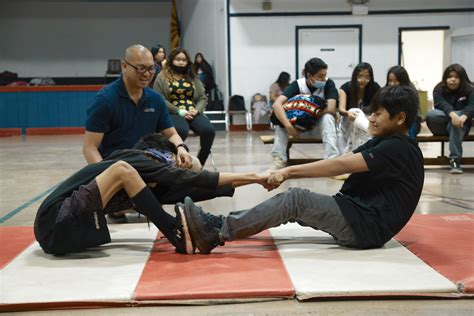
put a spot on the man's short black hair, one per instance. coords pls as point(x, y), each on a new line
point(155, 141)
point(313, 65)
point(396, 99)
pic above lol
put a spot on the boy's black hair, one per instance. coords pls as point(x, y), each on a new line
point(396, 99)
point(155, 141)
point(313, 65)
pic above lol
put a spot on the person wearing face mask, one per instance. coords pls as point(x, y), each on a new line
point(453, 100)
point(314, 82)
point(354, 100)
point(186, 99)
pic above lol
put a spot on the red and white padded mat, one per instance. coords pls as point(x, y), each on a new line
point(432, 257)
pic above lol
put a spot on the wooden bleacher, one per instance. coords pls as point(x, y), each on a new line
point(442, 159)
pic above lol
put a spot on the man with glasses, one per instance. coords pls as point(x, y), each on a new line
point(125, 110)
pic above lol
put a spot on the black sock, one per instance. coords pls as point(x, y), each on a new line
point(147, 204)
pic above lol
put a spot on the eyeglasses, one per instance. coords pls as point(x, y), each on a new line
point(142, 69)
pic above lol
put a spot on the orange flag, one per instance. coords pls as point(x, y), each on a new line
point(175, 31)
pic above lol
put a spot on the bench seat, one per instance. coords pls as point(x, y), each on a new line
point(442, 159)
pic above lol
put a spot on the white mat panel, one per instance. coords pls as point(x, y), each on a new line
point(318, 267)
point(107, 273)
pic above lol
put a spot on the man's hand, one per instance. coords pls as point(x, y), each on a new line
point(183, 158)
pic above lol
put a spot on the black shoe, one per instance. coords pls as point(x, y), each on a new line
point(183, 242)
point(204, 227)
point(455, 166)
point(117, 218)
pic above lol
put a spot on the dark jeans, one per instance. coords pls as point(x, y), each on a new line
point(201, 126)
point(295, 205)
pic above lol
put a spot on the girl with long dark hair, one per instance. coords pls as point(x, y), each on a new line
point(453, 100)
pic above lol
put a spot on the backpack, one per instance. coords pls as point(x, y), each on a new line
point(302, 111)
point(260, 109)
point(215, 100)
point(236, 103)
point(7, 77)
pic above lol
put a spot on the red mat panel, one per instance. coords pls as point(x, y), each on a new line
point(247, 268)
point(13, 240)
point(446, 243)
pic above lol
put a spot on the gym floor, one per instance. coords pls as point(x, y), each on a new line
point(30, 166)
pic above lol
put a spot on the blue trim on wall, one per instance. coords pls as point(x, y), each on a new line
point(348, 26)
point(44, 108)
point(419, 28)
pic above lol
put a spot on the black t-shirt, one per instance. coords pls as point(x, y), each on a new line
point(379, 202)
point(330, 91)
point(369, 93)
point(150, 171)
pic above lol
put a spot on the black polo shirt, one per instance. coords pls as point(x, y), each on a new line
point(123, 123)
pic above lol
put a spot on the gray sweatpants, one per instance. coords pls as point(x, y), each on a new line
point(295, 205)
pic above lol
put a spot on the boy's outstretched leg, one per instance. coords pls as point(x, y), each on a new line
point(203, 227)
point(122, 175)
point(295, 205)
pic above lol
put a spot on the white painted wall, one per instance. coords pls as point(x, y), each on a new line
point(263, 46)
point(425, 70)
point(69, 39)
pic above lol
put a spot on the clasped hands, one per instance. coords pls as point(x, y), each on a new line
point(271, 179)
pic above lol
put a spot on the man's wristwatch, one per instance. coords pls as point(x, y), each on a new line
point(184, 146)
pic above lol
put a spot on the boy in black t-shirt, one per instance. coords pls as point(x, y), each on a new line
point(373, 205)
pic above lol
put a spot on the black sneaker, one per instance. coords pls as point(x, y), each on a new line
point(117, 218)
point(183, 241)
point(455, 166)
point(204, 227)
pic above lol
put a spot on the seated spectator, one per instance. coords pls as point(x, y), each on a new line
point(354, 100)
point(313, 83)
point(186, 100)
point(204, 72)
point(397, 75)
point(276, 89)
point(453, 100)
point(159, 56)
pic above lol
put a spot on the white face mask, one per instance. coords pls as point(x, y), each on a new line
point(319, 84)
